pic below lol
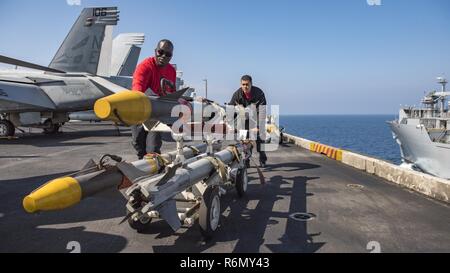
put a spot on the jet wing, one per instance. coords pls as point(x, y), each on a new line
point(23, 80)
point(23, 97)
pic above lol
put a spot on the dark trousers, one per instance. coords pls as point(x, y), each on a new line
point(262, 154)
point(145, 142)
point(259, 141)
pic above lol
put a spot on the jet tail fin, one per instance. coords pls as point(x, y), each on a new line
point(81, 49)
point(126, 50)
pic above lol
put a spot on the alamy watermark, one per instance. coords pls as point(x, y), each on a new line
point(374, 247)
point(73, 2)
point(231, 123)
point(74, 246)
point(374, 2)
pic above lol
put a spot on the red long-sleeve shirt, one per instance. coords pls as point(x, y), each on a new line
point(149, 75)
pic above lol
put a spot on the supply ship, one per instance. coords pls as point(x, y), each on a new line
point(424, 134)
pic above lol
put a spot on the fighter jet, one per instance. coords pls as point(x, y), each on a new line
point(81, 72)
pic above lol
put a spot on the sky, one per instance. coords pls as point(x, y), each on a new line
point(308, 56)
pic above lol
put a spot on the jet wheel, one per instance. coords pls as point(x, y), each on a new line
point(50, 127)
point(7, 129)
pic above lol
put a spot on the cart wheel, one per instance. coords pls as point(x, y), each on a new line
point(241, 182)
point(209, 213)
point(140, 224)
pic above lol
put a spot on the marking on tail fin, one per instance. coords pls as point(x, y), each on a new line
point(81, 43)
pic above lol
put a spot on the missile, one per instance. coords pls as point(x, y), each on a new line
point(157, 192)
point(67, 191)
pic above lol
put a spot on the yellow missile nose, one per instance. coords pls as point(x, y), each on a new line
point(130, 107)
point(56, 194)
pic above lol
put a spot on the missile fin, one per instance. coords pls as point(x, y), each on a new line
point(130, 171)
point(168, 212)
point(175, 96)
point(169, 174)
point(90, 164)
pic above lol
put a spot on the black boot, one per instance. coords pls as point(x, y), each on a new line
point(262, 164)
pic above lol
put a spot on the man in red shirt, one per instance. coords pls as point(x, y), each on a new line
point(158, 75)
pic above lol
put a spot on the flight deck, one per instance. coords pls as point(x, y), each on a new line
point(310, 203)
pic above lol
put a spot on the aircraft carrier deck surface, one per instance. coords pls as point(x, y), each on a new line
point(353, 210)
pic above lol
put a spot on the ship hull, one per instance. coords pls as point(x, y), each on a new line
point(417, 148)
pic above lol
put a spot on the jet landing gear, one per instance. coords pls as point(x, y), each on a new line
point(51, 128)
point(7, 129)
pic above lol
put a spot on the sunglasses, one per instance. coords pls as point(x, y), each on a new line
point(161, 52)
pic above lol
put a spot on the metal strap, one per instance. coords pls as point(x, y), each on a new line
point(194, 149)
point(162, 161)
point(235, 151)
point(116, 113)
point(219, 166)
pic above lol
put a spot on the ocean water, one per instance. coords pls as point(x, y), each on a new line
point(366, 134)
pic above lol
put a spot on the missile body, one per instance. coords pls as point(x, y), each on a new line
point(67, 191)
